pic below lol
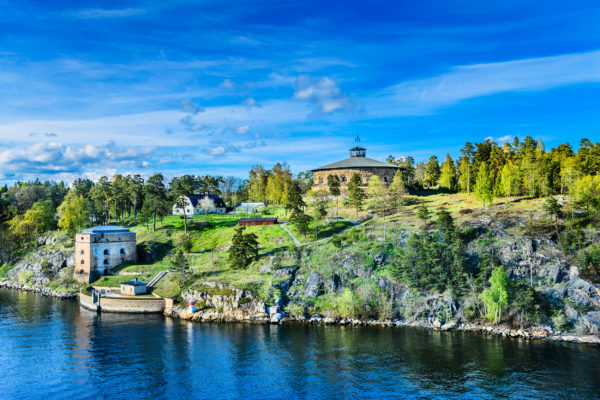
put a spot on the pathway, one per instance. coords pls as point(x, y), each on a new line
point(298, 243)
point(157, 278)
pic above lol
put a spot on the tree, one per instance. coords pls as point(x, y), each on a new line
point(379, 194)
point(320, 202)
point(136, 192)
point(448, 175)
point(508, 183)
point(495, 298)
point(155, 203)
point(355, 193)
point(333, 182)
point(432, 171)
point(182, 187)
point(398, 188)
point(206, 204)
point(465, 166)
point(484, 186)
point(180, 263)
point(38, 219)
point(553, 208)
point(423, 213)
point(243, 249)
point(74, 213)
point(586, 192)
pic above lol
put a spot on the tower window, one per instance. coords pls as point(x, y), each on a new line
point(343, 179)
point(81, 271)
point(106, 252)
point(82, 252)
point(122, 251)
point(82, 262)
point(105, 261)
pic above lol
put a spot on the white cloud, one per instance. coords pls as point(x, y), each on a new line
point(190, 107)
point(251, 102)
point(217, 151)
point(97, 13)
point(242, 130)
point(325, 93)
point(464, 82)
point(227, 84)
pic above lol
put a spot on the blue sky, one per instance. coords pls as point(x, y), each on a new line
point(94, 88)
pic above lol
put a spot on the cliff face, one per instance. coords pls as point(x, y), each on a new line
point(49, 262)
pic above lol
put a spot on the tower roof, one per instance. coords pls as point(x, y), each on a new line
point(356, 163)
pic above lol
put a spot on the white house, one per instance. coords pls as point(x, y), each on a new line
point(201, 204)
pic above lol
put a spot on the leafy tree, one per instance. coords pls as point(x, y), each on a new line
point(448, 175)
point(333, 182)
point(74, 213)
point(553, 208)
point(101, 195)
point(495, 298)
point(156, 203)
point(38, 219)
point(356, 194)
point(398, 188)
point(508, 184)
point(207, 204)
point(379, 195)
point(484, 186)
point(586, 192)
point(243, 249)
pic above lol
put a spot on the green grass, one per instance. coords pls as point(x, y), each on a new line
point(325, 229)
point(4, 268)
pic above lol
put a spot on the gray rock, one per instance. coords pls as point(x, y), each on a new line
point(276, 318)
point(273, 310)
point(313, 285)
point(265, 269)
point(334, 284)
point(380, 259)
point(329, 320)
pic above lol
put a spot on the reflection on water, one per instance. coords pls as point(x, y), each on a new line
point(53, 349)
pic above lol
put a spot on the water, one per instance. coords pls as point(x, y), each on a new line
point(52, 349)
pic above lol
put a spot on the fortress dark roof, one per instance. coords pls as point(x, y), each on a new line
point(356, 163)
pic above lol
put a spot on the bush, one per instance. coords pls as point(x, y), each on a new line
point(588, 262)
point(560, 321)
point(336, 241)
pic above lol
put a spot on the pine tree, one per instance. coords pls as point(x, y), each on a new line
point(379, 196)
point(432, 171)
point(484, 186)
point(243, 249)
point(156, 198)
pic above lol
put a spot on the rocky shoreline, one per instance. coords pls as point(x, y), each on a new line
point(251, 311)
point(44, 291)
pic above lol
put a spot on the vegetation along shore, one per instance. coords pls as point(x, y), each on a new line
point(503, 240)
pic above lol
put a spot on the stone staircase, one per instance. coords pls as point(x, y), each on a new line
point(157, 278)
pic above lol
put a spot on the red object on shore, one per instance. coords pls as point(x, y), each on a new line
point(258, 221)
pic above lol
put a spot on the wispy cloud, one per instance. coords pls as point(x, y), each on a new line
point(464, 82)
point(96, 13)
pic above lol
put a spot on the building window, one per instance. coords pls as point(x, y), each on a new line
point(385, 179)
point(343, 179)
point(320, 180)
point(122, 251)
point(106, 251)
point(82, 252)
point(81, 272)
point(106, 261)
point(82, 262)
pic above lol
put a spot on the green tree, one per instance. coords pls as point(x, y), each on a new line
point(38, 219)
point(156, 202)
point(398, 189)
point(495, 298)
point(508, 184)
point(586, 192)
point(333, 182)
point(423, 213)
point(243, 249)
point(465, 167)
point(356, 194)
point(74, 213)
point(136, 192)
point(181, 187)
point(588, 262)
point(484, 186)
point(320, 203)
point(448, 175)
point(379, 194)
point(432, 171)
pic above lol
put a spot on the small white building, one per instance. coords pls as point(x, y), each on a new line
point(250, 208)
point(201, 204)
point(133, 288)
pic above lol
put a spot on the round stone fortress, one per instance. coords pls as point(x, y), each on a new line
point(357, 163)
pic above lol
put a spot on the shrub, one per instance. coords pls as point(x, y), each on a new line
point(588, 262)
point(336, 241)
point(560, 321)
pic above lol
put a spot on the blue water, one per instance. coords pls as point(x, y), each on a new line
point(52, 349)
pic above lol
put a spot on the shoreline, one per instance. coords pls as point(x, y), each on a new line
point(537, 333)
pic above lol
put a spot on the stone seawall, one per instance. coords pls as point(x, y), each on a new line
point(44, 291)
point(123, 305)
